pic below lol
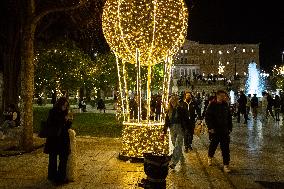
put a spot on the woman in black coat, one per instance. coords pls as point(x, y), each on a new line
point(58, 142)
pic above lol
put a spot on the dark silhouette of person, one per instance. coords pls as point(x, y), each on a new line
point(101, 106)
point(188, 116)
point(219, 122)
point(242, 101)
point(58, 141)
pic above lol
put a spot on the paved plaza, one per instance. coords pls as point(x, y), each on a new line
point(257, 161)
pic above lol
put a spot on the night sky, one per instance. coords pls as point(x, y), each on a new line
point(240, 21)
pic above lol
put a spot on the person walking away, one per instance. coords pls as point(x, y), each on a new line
point(264, 104)
point(101, 105)
point(254, 106)
point(219, 122)
point(248, 105)
point(58, 141)
point(174, 123)
point(270, 104)
point(242, 101)
point(188, 115)
point(277, 106)
point(198, 101)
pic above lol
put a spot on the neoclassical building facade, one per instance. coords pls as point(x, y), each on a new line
point(227, 59)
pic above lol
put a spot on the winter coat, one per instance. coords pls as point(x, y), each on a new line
point(218, 117)
point(254, 102)
point(188, 114)
point(173, 117)
point(242, 103)
point(57, 141)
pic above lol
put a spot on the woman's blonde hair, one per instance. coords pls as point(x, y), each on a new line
point(174, 99)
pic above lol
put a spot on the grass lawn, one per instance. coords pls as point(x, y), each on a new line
point(92, 124)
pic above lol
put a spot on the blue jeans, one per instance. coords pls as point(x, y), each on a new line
point(177, 140)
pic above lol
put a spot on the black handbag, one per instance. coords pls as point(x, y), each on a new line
point(43, 132)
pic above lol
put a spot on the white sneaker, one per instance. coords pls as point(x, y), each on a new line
point(227, 169)
point(210, 161)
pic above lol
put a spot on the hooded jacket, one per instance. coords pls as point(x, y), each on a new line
point(218, 117)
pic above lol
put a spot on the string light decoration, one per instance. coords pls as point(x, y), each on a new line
point(143, 33)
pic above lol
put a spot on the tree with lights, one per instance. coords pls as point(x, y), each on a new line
point(106, 78)
point(62, 64)
point(33, 13)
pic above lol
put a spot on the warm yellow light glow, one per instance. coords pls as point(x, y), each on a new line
point(144, 33)
point(142, 138)
point(156, 27)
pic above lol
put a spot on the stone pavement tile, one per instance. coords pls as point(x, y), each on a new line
point(98, 167)
point(244, 181)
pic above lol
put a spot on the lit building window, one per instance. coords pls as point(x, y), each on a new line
point(252, 50)
point(203, 51)
point(220, 52)
point(185, 51)
point(244, 50)
point(228, 62)
point(228, 51)
point(211, 51)
point(181, 51)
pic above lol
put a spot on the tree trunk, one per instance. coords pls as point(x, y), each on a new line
point(11, 75)
point(10, 51)
point(27, 85)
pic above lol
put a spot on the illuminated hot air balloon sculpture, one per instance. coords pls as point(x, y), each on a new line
point(143, 33)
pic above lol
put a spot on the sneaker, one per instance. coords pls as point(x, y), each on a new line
point(227, 169)
point(209, 161)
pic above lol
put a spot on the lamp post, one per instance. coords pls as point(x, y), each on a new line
point(235, 52)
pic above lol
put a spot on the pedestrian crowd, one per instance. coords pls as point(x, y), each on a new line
point(263, 107)
point(182, 115)
point(215, 109)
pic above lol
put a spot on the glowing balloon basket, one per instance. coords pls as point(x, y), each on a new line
point(143, 33)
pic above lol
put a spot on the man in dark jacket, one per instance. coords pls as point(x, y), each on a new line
point(219, 122)
point(254, 106)
point(188, 116)
point(242, 102)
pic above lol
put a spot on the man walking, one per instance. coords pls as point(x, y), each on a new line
point(219, 122)
point(242, 101)
point(254, 106)
point(188, 119)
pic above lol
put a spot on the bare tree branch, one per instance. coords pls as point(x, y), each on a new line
point(43, 13)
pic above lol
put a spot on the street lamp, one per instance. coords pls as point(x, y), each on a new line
point(235, 52)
